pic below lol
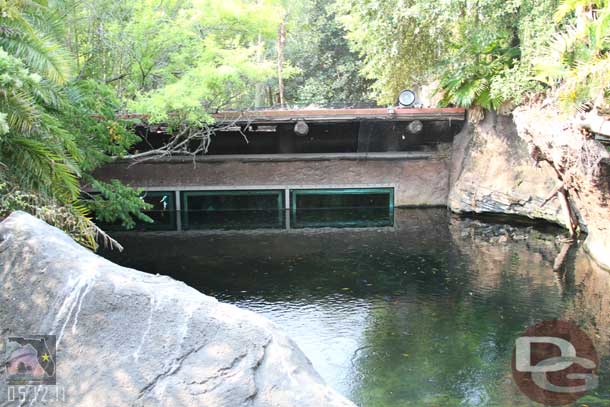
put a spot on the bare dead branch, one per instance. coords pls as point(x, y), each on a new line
point(190, 141)
point(116, 78)
point(552, 195)
point(104, 238)
point(571, 151)
point(570, 218)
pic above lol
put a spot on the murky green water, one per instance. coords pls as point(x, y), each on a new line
point(421, 313)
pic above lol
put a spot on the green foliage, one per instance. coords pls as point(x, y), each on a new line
point(328, 70)
point(567, 7)
point(71, 218)
point(484, 53)
point(175, 60)
point(577, 60)
point(415, 42)
point(54, 131)
point(116, 202)
point(471, 84)
point(397, 46)
point(37, 153)
point(181, 59)
point(89, 113)
point(220, 79)
point(32, 33)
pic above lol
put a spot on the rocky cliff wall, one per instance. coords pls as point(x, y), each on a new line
point(514, 165)
point(492, 173)
point(582, 169)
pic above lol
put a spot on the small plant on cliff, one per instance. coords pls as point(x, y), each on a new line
point(471, 84)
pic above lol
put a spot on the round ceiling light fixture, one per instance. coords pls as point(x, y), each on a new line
point(301, 128)
point(406, 98)
point(415, 127)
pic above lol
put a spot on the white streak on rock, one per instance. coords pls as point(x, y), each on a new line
point(153, 307)
point(78, 289)
point(80, 304)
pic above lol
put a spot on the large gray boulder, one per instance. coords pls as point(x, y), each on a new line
point(126, 338)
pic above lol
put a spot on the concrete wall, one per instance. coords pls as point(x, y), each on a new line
point(419, 179)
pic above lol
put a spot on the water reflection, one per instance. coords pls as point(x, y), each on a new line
point(233, 220)
point(253, 219)
point(421, 314)
point(342, 218)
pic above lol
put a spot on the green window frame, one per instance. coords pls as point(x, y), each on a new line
point(277, 193)
point(389, 221)
point(170, 210)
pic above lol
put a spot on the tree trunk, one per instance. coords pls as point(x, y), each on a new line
point(260, 91)
point(281, 43)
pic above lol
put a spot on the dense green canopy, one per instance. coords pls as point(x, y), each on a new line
point(483, 52)
point(67, 67)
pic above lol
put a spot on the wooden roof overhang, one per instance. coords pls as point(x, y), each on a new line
point(340, 115)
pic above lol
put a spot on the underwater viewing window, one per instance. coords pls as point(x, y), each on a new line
point(357, 207)
point(163, 212)
point(256, 209)
point(266, 209)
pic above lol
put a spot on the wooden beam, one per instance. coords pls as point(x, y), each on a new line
point(329, 115)
point(339, 115)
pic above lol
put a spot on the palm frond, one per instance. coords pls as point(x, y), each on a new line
point(22, 113)
point(41, 54)
point(35, 166)
point(602, 27)
point(569, 6)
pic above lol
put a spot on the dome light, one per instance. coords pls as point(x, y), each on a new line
point(406, 98)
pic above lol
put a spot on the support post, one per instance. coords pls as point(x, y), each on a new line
point(178, 211)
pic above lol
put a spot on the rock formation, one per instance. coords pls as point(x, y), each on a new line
point(517, 165)
point(126, 338)
point(582, 171)
point(492, 172)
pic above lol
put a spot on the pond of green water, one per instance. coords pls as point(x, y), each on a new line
point(423, 312)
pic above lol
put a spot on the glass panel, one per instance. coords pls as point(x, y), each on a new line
point(163, 212)
point(342, 208)
point(233, 209)
point(342, 198)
